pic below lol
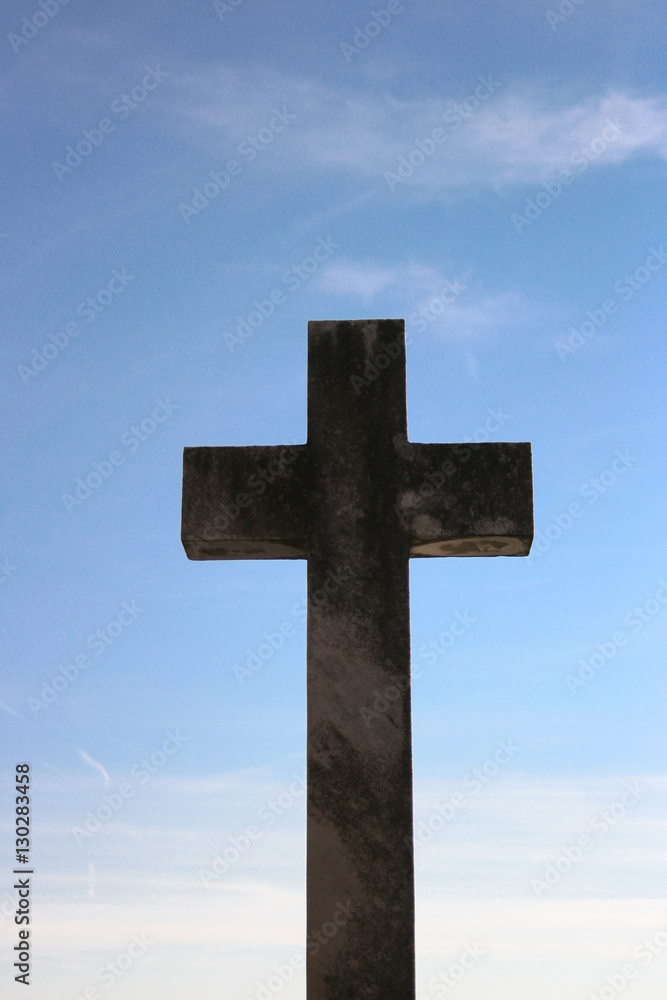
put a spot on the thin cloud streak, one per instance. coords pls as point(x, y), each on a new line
point(98, 767)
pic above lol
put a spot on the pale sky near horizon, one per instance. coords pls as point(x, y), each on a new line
point(184, 188)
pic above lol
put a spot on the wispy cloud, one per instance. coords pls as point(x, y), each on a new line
point(98, 767)
point(363, 280)
point(517, 136)
point(447, 304)
point(369, 280)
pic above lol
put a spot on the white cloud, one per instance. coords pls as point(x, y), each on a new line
point(518, 136)
point(365, 281)
point(415, 290)
point(98, 767)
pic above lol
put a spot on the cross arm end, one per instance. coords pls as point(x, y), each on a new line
point(467, 499)
point(243, 503)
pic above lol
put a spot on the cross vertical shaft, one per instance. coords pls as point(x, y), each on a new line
point(359, 777)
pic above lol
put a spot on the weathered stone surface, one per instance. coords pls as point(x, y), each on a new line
point(467, 499)
point(357, 501)
point(244, 503)
point(359, 775)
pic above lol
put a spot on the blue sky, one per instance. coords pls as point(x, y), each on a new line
point(508, 151)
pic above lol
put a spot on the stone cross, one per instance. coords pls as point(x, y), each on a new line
point(357, 500)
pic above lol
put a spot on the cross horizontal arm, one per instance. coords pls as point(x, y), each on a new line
point(466, 499)
point(244, 503)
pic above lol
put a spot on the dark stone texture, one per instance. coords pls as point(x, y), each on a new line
point(357, 501)
point(470, 499)
point(359, 776)
point(244, 503)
